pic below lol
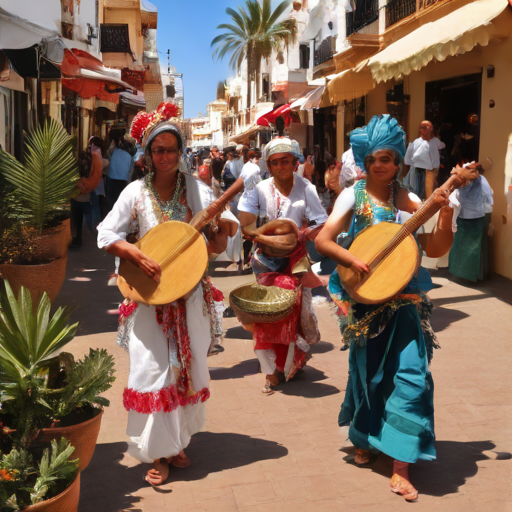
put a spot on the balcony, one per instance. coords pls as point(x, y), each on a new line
point(325, 50)
point(397, 10)
point(367, 12)
point(115, 38)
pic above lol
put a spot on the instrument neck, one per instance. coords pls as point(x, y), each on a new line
point(204, 217)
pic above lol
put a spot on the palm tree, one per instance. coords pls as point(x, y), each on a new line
point(253, 34)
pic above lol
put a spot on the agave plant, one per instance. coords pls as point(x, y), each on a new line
point(34, 388)
point(45, 182)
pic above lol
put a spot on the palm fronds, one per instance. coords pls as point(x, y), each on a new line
point(45, 182)
point(253, 33)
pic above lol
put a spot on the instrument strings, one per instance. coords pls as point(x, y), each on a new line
point(420, 217)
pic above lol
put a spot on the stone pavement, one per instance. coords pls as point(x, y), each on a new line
point(285, 451)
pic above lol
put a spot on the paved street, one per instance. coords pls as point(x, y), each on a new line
point(285, 452)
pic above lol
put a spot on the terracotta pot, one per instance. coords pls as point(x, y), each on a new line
point(54, 242)
point(82, 436)
point(47, 277)
point(66, 501)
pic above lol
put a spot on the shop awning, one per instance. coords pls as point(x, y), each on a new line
point(17, 33)
point(352, 83)
point(247, 134)
point(317, 98)
point(453, 34)
point(133, 100)
point(86, 75)
point(270, 117)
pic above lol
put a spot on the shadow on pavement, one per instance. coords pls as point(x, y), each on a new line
point(305, 384)
point(494, 286)
point(213, 452)
point(444, 317)
point(456, 462)
point(238, 333)
point(107, 485)
point(238, 371)
point(321, 347)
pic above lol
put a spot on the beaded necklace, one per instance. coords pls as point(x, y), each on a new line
point(175, 208)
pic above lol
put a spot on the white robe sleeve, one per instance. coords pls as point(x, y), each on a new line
point(250, 202)
point(117, 222)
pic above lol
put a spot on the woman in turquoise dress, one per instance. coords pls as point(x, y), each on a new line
point(389, 397)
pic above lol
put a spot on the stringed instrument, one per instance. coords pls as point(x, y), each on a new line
point(391, 252)
point(180, 250)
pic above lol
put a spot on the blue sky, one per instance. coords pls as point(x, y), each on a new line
point(187, 28)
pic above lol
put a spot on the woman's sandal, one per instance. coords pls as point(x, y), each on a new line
point(363, 457)
point(180, 460)
point(403, 487)
point(158, 474)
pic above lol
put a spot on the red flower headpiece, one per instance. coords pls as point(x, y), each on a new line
point(144, 121)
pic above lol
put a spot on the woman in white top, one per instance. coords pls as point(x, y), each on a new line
point(423, 154)
point(168, 344)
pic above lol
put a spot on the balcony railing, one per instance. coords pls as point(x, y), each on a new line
point(397, 10)
point(115, 38)
point(366, 12)
point(325, 50)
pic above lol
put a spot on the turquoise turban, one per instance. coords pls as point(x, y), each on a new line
point(382, 132)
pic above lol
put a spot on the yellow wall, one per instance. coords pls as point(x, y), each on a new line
point(495, 124)
point(132, 18)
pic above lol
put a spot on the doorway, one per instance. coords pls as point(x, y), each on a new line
point(453, 107)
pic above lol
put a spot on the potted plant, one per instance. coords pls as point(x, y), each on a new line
point(44, 397)
point(35, 210)
point(50, 485)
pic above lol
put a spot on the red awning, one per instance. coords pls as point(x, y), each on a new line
point(270, 118)
point(86, 75)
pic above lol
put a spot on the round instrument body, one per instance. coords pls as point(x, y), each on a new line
point(181, 252)
point(264, 304)
point(393, 273)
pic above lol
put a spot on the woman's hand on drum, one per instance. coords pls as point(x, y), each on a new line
point(150, 267)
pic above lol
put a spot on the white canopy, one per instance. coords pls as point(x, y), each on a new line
point(17, 33)
point(453, 34)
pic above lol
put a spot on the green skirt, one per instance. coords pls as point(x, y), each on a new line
point(469, 253)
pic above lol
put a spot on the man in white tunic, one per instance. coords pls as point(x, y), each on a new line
point(282, 347)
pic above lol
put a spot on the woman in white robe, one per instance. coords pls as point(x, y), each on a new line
point(168, 345)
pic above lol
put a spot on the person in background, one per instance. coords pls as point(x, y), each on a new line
point(471, 225)
point(98, 199)
point(423, 154)
point(309, 168)
point(91, 172)
point(238, 161)
point(217, 163)
point(120, 161)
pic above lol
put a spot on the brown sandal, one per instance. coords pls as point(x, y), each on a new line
point(403, 487)
point(363, 457)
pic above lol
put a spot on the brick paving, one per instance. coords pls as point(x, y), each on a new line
point(285, 451)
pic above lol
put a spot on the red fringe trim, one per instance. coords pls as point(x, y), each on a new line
point(165, 400)
point(126, 309)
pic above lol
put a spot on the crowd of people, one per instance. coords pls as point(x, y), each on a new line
point(291, 212)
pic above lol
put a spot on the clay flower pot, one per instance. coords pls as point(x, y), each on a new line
point(47, 277)
point(66, 501)
point(82, 436)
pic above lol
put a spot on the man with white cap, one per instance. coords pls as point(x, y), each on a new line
point(288, 206)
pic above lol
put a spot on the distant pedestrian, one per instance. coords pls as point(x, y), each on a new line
point(423, 155)
point(120, 161)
